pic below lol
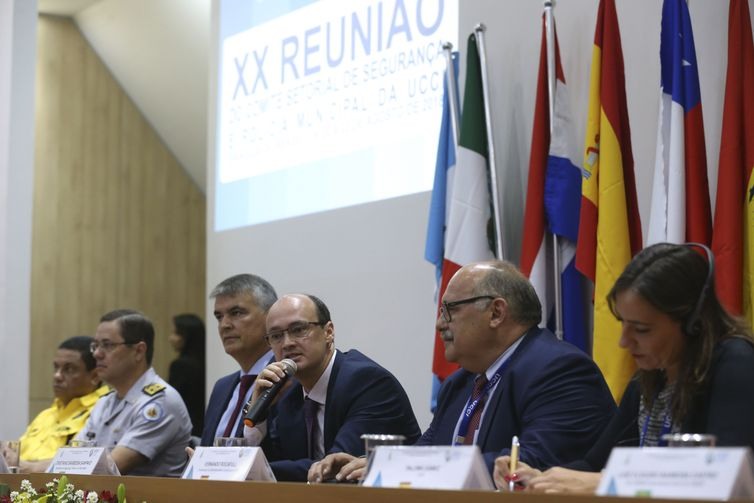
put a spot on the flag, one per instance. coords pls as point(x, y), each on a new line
point(733, 232)
point(469, 204)
point(552, 204)
point(434, 248)
point(609, 225)
point(680, 193)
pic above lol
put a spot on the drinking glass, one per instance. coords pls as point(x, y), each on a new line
point(689, 439)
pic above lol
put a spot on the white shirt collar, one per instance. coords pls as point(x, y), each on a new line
point(318, 392)
point(500, 359)
point(258, 366)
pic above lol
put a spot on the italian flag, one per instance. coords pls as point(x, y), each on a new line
point(466, 238)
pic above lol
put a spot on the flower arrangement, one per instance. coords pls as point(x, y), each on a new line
point(61, 491)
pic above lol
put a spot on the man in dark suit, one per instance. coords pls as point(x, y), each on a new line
point(516, 379)
point(334, 399)
point(241, 305)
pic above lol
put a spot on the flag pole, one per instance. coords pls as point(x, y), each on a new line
point(496, 201)
point(452, 80)
point(551, 77)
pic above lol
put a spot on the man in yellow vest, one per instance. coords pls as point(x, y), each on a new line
point(77, 388)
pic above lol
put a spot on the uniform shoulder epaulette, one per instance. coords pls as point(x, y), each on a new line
point(153, 389)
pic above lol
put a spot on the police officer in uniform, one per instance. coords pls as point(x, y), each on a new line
point(77, 388)
point(144, 419)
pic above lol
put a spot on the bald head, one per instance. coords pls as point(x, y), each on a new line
point(308, 335)
point(499, 278)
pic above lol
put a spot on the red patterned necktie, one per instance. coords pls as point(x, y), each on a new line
point(246, 382)
point(476, 416)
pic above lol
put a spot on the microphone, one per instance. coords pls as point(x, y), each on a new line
point(258, 410)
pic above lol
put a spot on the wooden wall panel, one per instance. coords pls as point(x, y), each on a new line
point(117, 221)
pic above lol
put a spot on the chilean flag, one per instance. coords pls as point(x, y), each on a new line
point(553, 201)
point(680, 192)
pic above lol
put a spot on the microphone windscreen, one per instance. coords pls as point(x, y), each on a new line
point(290, 366)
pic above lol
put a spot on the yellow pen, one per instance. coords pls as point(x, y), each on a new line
point(514, 461)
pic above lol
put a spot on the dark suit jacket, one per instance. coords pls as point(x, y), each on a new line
point(218, 402)
point(723, 407)
point(362, 397)
point(550, 394)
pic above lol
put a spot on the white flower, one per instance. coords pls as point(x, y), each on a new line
point(92, 497)
point(28, 488)
point(13, 495)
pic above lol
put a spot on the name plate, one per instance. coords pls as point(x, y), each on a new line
point(709, 473)
point(228, 463)
point(83, 461)
point(428, 467)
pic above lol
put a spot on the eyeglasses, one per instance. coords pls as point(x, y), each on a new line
point(107, 346)
point(298, 330)
point(445, 307)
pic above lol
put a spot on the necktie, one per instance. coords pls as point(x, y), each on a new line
point(312, 429)
point(476, 416)
point(246, 382)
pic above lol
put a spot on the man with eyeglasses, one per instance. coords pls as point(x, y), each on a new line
point(144, 420)
point(334, 399)
point(77, 387)
point(516, 378)
point(241, 305)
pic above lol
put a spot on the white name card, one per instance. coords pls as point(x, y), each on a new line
point(709, 473)
point(3, 465)
point(459, 467)
point(228, 463)
point(83, 461)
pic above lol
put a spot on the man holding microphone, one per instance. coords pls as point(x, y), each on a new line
point(335, 396)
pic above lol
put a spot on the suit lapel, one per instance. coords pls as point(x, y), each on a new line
point(291, 426)
point(459, 397)
point(218, 409)
point(494, 402)
point(331, 404)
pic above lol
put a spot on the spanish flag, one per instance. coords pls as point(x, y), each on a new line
point(609, 225)
point(732, 235)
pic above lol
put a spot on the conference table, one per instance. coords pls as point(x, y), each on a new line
point(163, 490)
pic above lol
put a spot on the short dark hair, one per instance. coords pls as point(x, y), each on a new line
point(134, 327)
point(191, 328)
point(82, 344)
point(258, 288)
point(323, 313)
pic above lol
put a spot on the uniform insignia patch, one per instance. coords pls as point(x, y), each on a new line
point(152, 412)
point(153, 389)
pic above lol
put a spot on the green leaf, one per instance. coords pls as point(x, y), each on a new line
point(61, 485)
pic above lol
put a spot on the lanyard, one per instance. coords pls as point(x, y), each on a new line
point(667, 425)
point(471, 405)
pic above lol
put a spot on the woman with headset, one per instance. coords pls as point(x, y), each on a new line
point(695, 366)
